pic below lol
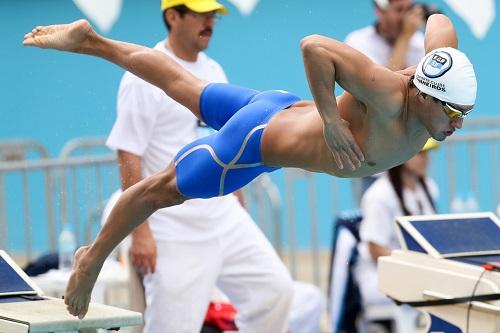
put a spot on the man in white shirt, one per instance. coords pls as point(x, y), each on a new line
point(394, 40)
point(183, 252)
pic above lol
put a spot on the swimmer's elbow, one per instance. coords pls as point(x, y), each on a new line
point(318, 45)
point(311, 42)
point(306, 41)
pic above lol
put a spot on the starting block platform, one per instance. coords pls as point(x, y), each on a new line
point(24, 308)
point(448, 266)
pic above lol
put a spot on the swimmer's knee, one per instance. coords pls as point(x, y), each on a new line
point(162, 189)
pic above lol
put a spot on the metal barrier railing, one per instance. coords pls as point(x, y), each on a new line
point(12, 151)
point(263, 200)
point(70, 188)
point(311, 202)
point(87, 146)
point(290, 177)
point(19, 150)
point(82, 147)
point(73, 188)
point(479, 159)
point(482, 123)
point(447, 169)
point(74, 193)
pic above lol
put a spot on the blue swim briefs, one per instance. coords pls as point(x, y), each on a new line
point(229, 159)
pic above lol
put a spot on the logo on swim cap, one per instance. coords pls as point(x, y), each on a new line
point(448, 75)
point(437, 64)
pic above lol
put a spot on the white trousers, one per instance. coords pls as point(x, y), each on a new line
point(241, 262)
point(404, 317)
point(308, 305)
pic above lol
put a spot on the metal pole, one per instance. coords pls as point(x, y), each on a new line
point(87, 196)
point(451, 175)
point(313, 203)
point(276, 207)
point(99, 185)
point(291, 224)
point(63, 197)
point(49, 202)
point(3, 216)
point(495, 182)
point(261, 207)
point(27, 215)
point(473, 170)
point(76, 210)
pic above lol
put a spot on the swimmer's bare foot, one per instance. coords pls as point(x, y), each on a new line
point(81, 283)
point(65, 37)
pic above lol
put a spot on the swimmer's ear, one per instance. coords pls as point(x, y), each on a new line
point(421, 96)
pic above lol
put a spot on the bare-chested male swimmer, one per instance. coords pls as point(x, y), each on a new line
point(382, 120)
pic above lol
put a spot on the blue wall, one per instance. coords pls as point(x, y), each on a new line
point(52, 97)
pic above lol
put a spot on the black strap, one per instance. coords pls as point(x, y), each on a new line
point(450, 301)
point(427, 193)
point(33, 297)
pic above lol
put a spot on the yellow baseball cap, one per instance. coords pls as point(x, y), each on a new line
point(199, 6)
point(431, 144)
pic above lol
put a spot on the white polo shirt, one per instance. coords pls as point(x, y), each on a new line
point(369, 42)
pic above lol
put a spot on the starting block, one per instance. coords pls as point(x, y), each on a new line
point(449, 267)
point(24, 308)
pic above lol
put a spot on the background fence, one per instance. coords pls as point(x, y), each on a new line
point(38, 195)
point(295, 209)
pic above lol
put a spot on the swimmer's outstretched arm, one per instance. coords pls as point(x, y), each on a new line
point(328, 61)
point(338, 137)
point(439, 32)
point(150, 65)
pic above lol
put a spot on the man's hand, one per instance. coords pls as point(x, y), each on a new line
point(413, 20)
point(143, 250)
point(341, 142)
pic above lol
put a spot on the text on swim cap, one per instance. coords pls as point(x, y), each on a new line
point(431, 84)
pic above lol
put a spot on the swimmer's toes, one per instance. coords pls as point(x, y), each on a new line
point(83, 312)
point(70, 310)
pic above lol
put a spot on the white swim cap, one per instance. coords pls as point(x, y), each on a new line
point(448, 75)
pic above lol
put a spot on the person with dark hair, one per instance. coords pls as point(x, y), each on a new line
point(404, 190)
point(180, 254)
point(377, 123)
point(395, 40)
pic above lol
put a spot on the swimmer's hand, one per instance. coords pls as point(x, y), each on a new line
point(80, 284)
point(64, 37)
point(341, 142)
